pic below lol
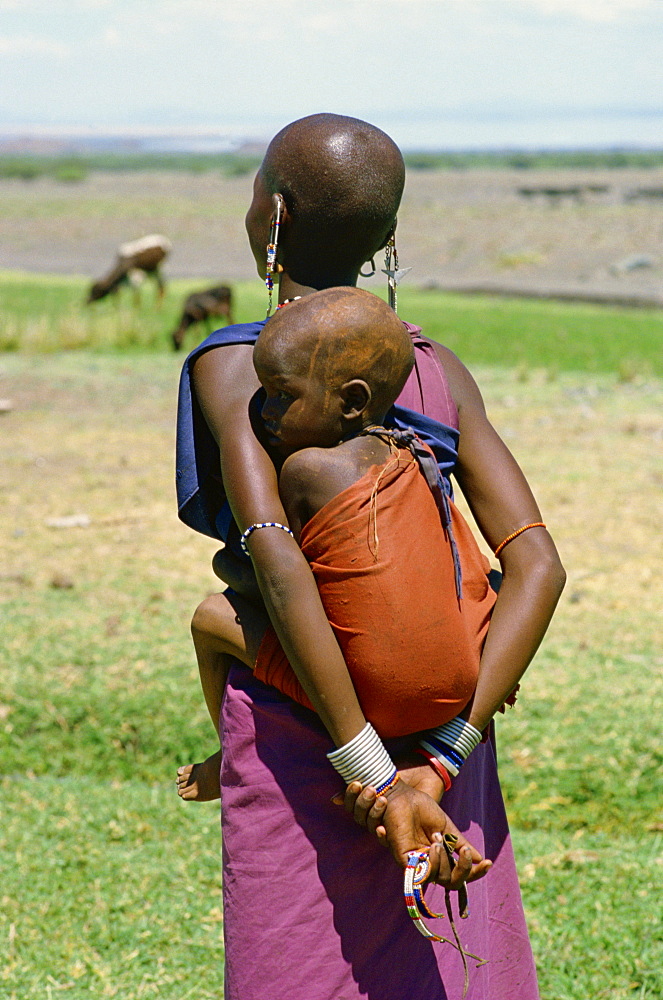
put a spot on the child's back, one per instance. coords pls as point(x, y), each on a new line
point(370, 528)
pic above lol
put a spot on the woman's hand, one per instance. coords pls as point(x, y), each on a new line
point(408, 819)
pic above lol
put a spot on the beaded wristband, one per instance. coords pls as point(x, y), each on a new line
point(262, 524)
point(366, 760)
point(451, 744)
point(387, 785)
point(514, 534)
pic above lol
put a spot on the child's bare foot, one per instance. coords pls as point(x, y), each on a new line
point(200, 782)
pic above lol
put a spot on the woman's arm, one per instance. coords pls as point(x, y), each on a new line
point(533, 577)
point(224, 382)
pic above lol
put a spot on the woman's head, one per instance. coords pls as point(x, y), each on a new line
point(341, 181)
point(331, 363)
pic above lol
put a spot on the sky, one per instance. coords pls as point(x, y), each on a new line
point(433, 73)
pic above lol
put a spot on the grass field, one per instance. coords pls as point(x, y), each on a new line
point(45, 313)
point(111, 885)
point(71, 169)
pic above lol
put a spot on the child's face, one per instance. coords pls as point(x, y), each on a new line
point(300, 411)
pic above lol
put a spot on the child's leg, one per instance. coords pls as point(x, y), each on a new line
point(223, 626)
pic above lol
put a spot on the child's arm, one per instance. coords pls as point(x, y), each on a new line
point(309, 479)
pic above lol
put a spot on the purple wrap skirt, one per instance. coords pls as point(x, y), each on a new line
point(313, 904)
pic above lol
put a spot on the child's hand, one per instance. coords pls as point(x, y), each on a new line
point(409, 820)
point(238, 574)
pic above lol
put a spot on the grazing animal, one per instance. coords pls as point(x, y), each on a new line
point(134, 261)
point(201, 306)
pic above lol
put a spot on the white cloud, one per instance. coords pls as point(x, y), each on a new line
point(27, 7)
point(111, 36)
point(587, 10)
point(22, 45)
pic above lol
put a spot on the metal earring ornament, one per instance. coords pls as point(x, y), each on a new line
point(272, 248)
point(394, 275)
point(370, 273)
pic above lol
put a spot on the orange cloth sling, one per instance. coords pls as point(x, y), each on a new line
point(411, 647)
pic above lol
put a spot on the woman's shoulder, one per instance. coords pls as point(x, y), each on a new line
point(462, 385)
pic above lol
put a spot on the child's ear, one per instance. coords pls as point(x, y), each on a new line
point(356, 396)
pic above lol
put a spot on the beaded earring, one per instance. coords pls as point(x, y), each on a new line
point(395, 274)
point(272, 247)
point(389, 250)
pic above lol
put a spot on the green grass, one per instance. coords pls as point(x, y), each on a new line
point(111, 885)
point(73, 168)
point(112, 890)
point(41, 313)
point(558, 336)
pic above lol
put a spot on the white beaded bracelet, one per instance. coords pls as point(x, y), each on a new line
point(364, 759)
point(261, 524)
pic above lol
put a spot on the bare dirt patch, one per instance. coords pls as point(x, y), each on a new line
point(457, 229)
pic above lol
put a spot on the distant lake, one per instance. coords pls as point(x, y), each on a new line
point(540, 130)
point(421, 129)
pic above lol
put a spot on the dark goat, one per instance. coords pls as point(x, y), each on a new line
point(134, 261)
point(201, 306)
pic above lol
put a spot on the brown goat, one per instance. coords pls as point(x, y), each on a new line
point(201, 306)
point(134, 261)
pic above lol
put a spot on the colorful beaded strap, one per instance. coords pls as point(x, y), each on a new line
point(416, 872)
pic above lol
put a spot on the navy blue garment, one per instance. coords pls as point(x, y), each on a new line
point(201, 500)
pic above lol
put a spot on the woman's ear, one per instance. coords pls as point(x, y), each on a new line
point(356, 396)
point(279, 208)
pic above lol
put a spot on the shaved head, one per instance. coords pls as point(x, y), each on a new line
point(342, 181)
point(337, 335)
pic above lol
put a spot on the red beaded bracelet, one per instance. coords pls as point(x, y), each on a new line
point(514, 534)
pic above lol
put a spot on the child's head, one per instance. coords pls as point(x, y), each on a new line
point(331, 363)
point(341, 180)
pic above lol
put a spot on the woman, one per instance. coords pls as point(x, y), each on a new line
point(313, 908)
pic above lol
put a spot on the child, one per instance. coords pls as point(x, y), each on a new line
point(332, 364)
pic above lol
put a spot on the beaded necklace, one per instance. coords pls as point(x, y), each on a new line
point(287, 301)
